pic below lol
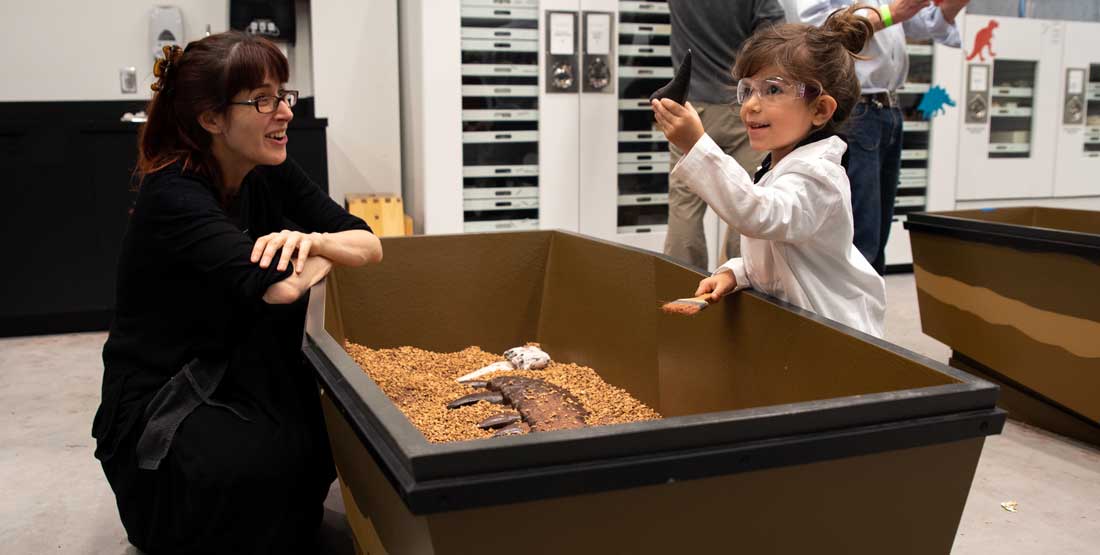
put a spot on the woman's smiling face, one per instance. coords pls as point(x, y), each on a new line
point(254, 138)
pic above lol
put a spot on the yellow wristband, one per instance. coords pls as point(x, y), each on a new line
point(887, 19)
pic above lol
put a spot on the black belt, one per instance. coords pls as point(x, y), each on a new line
point(880, 99)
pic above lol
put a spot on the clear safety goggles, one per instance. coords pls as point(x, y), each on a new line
point(773, 89)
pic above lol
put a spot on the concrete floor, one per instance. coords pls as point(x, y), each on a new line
point(55, 499)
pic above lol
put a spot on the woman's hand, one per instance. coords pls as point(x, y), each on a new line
point(718, 285)
point(680, 124)
point(290, 242)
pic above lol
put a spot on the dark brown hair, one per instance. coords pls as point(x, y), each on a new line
point(205, 76)
point(822, 57)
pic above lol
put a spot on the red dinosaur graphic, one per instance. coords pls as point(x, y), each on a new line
point(983, 40)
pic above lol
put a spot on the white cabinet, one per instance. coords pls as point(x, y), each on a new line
point(1008, 140)
point(916, 151)
point(1077, 169)
point(493, 143)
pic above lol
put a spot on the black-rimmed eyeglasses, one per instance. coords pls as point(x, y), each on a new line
point(267, 104)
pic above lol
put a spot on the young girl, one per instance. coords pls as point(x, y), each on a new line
point(797, 86)
point(210, 429)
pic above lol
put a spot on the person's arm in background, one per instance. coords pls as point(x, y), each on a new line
point(936, 23)
point(815, 12)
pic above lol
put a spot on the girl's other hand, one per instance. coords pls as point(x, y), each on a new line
point(718, 285)
point(290, 241)
point(680, 124)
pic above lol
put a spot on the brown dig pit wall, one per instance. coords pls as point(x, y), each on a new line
point(783, 432)
point(1015, 292)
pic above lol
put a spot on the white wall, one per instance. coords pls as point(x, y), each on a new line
point(355, 73)
point(345, 55)
point(73, 50)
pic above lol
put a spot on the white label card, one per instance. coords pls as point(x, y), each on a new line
point(562, 34)
point(598, 27)
point(1075, 81)
point(979, 78)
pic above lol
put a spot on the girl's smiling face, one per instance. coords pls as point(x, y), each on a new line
point(779, 111)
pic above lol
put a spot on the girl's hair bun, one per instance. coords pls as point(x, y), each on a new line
point(849, 29)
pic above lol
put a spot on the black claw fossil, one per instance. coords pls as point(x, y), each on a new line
point(499, 420)
point(516, 429)
point(490, 396)
point(677, 89)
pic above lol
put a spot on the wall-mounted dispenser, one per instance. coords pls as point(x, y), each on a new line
point(165, 28)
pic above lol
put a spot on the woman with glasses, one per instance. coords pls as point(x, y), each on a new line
point(798, 86)
point(209, 428)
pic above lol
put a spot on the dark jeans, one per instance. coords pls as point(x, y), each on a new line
point(874, 164)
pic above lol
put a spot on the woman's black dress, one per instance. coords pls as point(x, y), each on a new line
point(245, 469)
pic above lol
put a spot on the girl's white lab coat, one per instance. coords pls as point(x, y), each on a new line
point(796, 229)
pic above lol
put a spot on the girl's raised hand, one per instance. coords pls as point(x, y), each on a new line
point(680, 124)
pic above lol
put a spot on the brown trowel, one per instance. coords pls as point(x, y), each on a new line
point(687, 306)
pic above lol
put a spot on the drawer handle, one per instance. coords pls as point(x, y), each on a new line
point(645, 168)
point(502, 34)
point(642, 230)
point(503, 69)
point(502, 12)
point(645, 28)
point(646, 50)
point(645, 135)
point(503, 203)
point(503, 170)
point(644, 199)
point(502, 44)
point(503, 193)
point(503, 115)
point(644, 157)
point(503, 136)
point(502, 90)
point(645, 72)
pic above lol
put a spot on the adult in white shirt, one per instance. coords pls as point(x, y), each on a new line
point(875, 130)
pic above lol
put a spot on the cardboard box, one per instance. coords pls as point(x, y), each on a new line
point(1013, 292)
point(783, 431)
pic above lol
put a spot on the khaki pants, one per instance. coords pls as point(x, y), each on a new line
point(686, 241)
